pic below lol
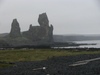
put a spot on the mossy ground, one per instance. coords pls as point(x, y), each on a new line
point(36, 55)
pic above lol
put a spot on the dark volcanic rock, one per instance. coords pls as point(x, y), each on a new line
point(36, 35)
point(43, 20)
point(15, 29)
point(3, 43)
point(40, 34)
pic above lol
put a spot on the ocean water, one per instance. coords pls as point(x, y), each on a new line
point(97, 42)
point(88, 42)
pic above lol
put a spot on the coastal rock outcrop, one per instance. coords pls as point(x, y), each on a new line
point(43, 20)
point(35, 35)
point(42, 33)
point(15, 29)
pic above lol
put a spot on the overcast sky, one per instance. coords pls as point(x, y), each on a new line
point(67, 16)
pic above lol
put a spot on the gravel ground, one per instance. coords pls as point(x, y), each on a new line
point(55, 66)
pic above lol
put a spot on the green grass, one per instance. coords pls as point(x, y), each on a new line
point(36, 54)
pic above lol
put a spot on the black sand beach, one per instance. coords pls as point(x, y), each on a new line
point(55, 66)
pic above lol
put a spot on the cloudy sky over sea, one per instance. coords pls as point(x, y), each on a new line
point(67, 16)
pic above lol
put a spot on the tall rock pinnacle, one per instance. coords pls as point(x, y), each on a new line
point(43, 20)
point(15, 29)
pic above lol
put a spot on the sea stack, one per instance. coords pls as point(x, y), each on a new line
point(43, 20)
point(15, 29)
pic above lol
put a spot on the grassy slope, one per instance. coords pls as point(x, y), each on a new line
point(35, 54)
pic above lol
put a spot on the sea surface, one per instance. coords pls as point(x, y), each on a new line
point(97, 42)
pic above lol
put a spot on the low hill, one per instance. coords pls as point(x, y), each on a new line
point(3, 34)
point(65, 38)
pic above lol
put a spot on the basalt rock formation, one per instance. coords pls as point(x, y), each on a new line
point(15, 29)
point(36, 35)
point(42, 33)
point(43, 20)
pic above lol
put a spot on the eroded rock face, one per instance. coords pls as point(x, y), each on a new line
point(43, 20)
point(37, 35)
point(42, 33)
point(15, 29)
point(46, 30)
